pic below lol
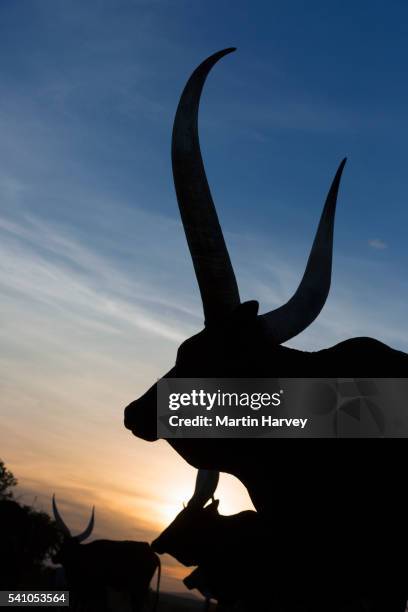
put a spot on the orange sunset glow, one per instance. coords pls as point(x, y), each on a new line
point(54, 442)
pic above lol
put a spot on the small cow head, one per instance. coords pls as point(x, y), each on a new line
point(236, 340)
point(189, 536)
point(70, 544)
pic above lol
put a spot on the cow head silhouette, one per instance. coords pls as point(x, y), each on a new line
point(236, 341)
point(70, 543)
point(200, 535)
point(190, 534)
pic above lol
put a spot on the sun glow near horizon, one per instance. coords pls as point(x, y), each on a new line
point(145, 484)
point(231, 493)
point(137, 488)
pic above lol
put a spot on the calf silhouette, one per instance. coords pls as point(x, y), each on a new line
point(100, 571)
point(225, 548)
point(341, 492)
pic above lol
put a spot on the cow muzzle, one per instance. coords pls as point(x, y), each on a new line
point(157, 547)
point(140, 418)
point(140, 415)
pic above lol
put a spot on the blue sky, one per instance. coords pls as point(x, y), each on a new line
point(89, 91)
point(96, 282)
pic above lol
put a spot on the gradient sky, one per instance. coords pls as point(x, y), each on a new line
point(97, 289)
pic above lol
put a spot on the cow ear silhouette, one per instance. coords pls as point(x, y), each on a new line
point(213, 507)
point(246, 312)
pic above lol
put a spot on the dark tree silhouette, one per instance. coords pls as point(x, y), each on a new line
point(27, 538)
point(7, 481)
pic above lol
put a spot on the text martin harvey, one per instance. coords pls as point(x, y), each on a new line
point(226, 421)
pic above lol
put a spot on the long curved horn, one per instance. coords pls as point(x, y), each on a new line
point(58, 518)
point(212, 264)
point(304, 306)
point(85, 534)
point(205, 486)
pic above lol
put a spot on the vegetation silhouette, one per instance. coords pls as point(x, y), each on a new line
point(28, 538)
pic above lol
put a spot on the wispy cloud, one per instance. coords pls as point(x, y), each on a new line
point(377, 244)
point(84, 332)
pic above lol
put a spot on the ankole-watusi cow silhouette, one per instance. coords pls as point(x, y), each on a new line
point(219, 545)
point(336, 488)
point(238, 562)
point(103, 572)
